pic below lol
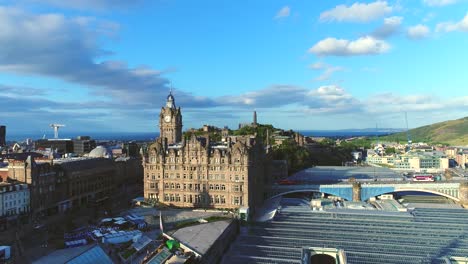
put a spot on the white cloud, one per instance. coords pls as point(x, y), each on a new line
point(342, 47)
point(283, 13)
point(418, 32)
point(69, 49)
point(327, 70)
point(358, 12)
point(453, 26)
point(439, 2)
point(390, 27)
point(328, 98)
point(389, 103)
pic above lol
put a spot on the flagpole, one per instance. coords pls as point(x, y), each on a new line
point(161, 223)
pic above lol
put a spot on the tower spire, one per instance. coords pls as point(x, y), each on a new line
point(254, 118)
point(170, 98)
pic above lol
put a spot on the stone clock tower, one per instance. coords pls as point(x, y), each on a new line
point(170, 121)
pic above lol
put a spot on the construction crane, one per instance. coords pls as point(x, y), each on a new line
point(56, 129)
point(408, 146)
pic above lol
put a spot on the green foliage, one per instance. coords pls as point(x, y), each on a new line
point(356, 144)
point(298, 157)
point(390, 150)
point(214, 135)
point(216, 218)
point(261, 131)
point(331, 154)
point(453, 132)
point(327, 142)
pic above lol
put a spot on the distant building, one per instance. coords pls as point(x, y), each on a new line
point(208, 128)
point(60, 184)
point(131, 149)
point(83, 144)
point(100, 152)
point(198, 172)
point(357, 155)
point(462, 158)
point(88, 180)
point(129, 170)
point(14, 199)
point(451, 152)
point(253, 124)
point(281, 136)
point(40, 177)
point(2, 136)
point(3, 171)
point(417, 161)
point(61, 146)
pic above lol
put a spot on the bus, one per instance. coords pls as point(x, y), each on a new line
point(425, 177)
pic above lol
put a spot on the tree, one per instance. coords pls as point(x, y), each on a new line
point(390, 150)
point(297, 157)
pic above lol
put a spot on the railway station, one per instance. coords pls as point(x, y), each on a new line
point(356, 215)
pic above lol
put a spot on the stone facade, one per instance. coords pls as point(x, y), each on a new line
point(14, 199)
point(88, 181)
point(197, 172)
point(170, 121)
point(58, 185)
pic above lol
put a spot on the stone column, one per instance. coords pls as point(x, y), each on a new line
point(463, 194)
point(356, 191)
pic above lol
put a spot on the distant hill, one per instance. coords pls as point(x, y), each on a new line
point(452, 132)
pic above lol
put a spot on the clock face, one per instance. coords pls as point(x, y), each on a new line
point(167, 118)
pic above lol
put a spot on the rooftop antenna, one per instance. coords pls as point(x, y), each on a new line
point(377, 134)
point(56, 129)
point(377, 140)
point(408, 133)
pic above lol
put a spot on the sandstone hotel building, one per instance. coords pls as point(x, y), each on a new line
point(198, 172)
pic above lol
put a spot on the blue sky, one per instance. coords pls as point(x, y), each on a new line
point(107, 65)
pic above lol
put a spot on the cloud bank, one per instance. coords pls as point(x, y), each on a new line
point(342, 47)
point(418, 32)
point(358, 12)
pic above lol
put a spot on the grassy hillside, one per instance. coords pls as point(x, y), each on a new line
point(453, 132)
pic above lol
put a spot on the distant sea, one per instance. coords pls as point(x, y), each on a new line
point(148, 136)
point(118, 136)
